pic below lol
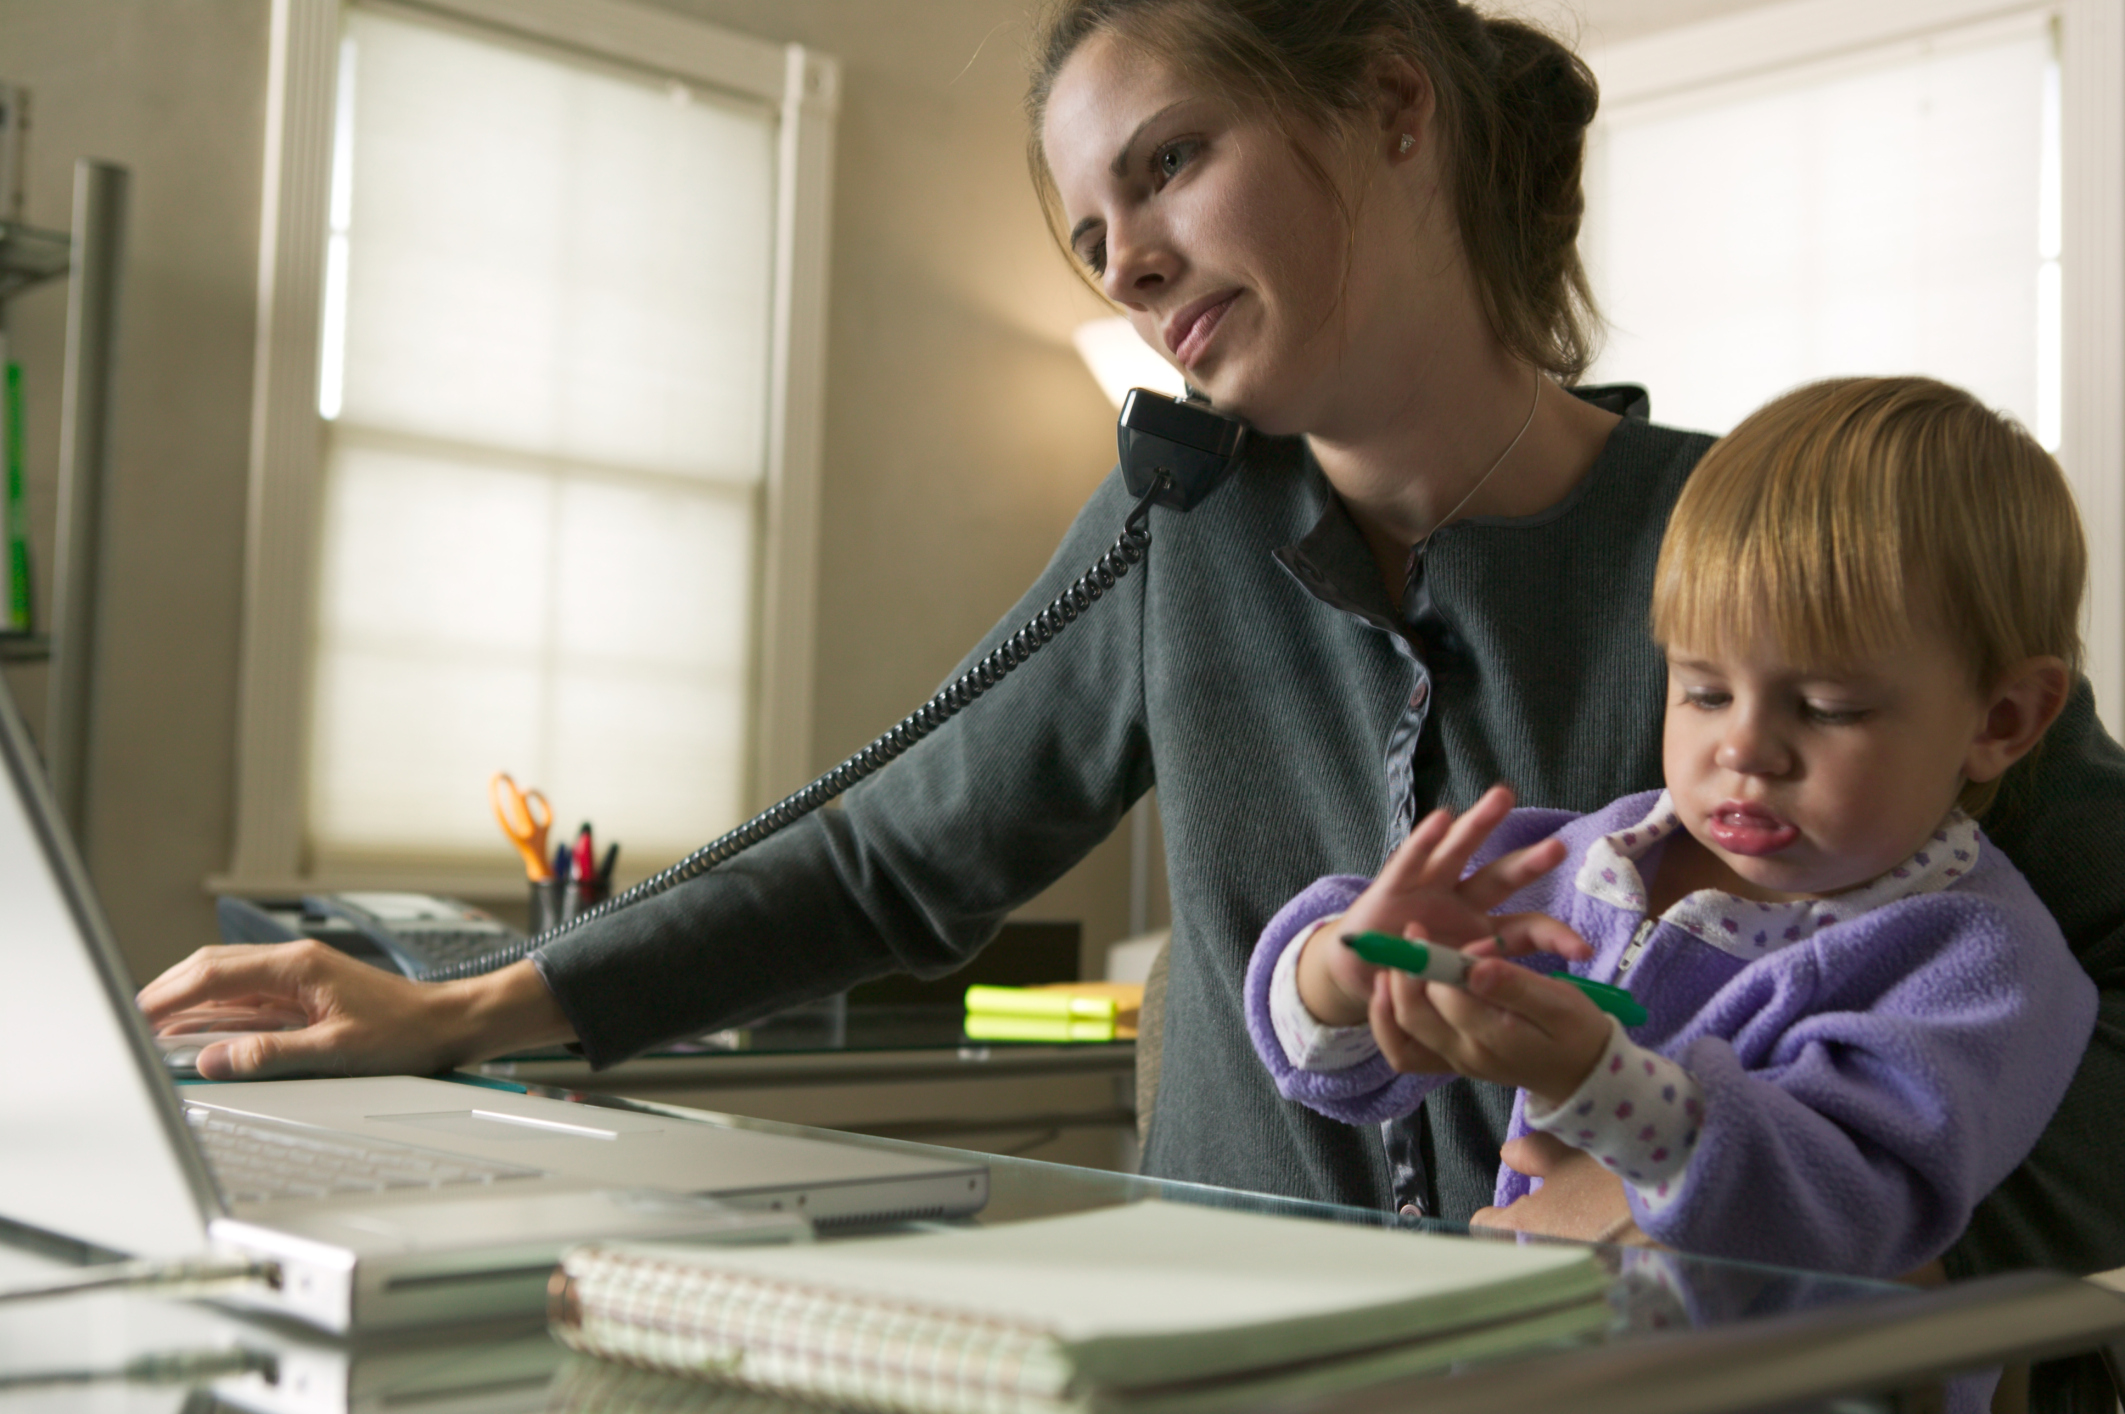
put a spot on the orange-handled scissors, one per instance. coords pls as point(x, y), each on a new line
point(525, 817)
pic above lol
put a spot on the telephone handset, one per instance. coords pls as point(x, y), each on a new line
point(1192, 446)
point(1173, 454)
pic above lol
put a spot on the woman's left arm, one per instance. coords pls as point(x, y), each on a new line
point(2061, 819)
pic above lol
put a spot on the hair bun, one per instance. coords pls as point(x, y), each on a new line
point(1542, 100)
point(1534, 69)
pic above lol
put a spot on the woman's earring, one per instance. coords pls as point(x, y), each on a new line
point(1409, 140)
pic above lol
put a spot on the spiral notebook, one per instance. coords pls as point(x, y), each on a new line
point(1151, 1306)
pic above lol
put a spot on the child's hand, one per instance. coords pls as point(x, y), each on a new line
point(1510, 1025)
point(1420, 894)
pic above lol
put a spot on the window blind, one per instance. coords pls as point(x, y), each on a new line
point(545, 391)
point(1888, 213)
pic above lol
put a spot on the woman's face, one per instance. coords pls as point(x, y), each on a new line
point(1203, 224)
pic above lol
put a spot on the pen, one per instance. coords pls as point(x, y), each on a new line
point(586, 856)
point(612, 857)
point(560, 862)
point(1439, 964)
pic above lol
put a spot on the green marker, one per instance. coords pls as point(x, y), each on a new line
point(1437, 964)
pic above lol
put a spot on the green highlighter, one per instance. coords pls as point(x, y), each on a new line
point(1437, 964)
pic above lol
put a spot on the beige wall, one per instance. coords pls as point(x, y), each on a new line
point(1593, 22)
point(174, 90)
point(961, 435)
point(962, 430)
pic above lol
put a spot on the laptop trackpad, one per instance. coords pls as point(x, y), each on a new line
point(494, 1124)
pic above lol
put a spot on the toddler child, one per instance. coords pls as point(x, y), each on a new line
point(1860, 1015)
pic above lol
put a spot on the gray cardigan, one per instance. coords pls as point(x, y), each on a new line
point(1254, 670)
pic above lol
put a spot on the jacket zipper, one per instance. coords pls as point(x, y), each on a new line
point(1636, 945)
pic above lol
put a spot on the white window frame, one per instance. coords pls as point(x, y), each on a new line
point(287, 441)
point(1764, 40)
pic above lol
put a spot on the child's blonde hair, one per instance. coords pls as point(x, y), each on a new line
point(1844, 513)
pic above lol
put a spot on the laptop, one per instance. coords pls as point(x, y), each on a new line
point(383, 1202)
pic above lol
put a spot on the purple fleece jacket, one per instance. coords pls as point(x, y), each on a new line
point(1864, 1087)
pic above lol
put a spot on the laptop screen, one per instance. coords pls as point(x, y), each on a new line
point(94, 1145)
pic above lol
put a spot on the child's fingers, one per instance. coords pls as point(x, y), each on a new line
point(1465, 836)
point(1522, 933)
point(1546, 1033)
point(1432, 917)
point(1500, 879)
point(1405, 868)
point(1403, 1050)
point(1444, 1020)
point(1457, 1023)
point(1507, 1027)
point(1551, 1005)
point(1395, 902)
point(1468, 1035)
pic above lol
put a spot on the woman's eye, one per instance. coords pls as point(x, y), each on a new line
point(1707, 698)
point(1168, 161)
point(1095, 258)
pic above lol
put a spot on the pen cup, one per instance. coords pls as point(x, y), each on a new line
point(547, 898)
point(554, 902)
point(579, 894)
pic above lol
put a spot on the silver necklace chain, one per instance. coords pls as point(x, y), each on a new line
point(1527, 422)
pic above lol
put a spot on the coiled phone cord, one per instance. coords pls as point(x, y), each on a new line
point(1128, 549)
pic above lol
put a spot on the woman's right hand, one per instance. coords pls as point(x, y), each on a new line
point(344, 1017)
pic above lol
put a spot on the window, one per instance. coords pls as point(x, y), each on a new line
point(1807, 190)
point(1885, 212)
point(544, 379)
point(563, 406)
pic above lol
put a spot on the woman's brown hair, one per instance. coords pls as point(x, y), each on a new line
point(1513, 103)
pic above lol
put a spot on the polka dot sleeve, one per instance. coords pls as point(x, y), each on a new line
point(1307, 1043)
point(1636, 1111)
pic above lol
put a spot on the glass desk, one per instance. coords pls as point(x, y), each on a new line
point(1682, 1336)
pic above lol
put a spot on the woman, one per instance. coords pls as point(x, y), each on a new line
point(1352, 222)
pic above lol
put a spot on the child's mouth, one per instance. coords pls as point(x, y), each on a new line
point(1741, 828)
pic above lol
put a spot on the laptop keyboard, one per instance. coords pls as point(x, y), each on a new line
point(257, 1159)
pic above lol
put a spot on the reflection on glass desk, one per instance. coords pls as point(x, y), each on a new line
point(1683, 1335)
point(904, 1072)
